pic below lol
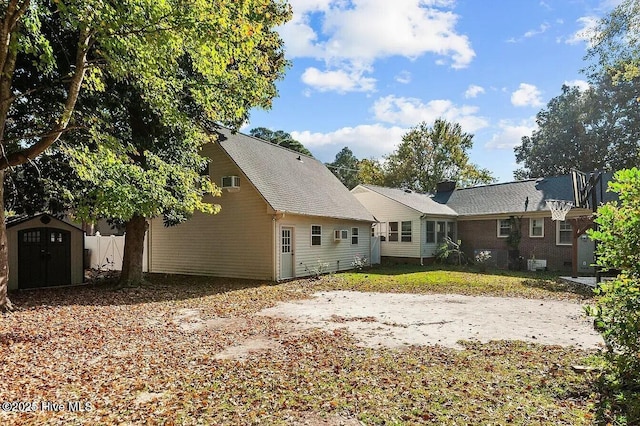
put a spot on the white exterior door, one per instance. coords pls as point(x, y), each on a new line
point(286, 252)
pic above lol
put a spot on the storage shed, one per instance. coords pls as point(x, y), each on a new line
point(44, 252)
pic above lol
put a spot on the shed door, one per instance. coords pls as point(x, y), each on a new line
point(44, 257)
point(286, 252)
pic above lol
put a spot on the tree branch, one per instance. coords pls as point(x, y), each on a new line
point(54, 134)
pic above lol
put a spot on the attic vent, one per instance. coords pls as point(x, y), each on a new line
point(231, 183)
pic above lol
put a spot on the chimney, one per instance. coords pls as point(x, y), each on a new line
point(445, 186)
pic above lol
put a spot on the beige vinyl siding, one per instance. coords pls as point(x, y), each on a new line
point(338, 254)
point(77, 246)
point(237, 242)
point(387, 210)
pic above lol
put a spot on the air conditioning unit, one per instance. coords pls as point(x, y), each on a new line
point(231, 183)
point(340, 234)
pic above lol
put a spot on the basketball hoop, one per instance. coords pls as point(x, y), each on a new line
point(559, 208)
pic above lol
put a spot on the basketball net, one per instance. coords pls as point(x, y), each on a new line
point(559, 208)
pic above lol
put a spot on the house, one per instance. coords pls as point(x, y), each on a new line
point(43, 252)
point(411, 225)
point(482, 218)
point(282, 215)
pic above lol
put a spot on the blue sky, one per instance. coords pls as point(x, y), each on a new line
point(365, 71)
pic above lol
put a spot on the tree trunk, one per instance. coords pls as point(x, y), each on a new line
point(131, 274)
point(5, 303)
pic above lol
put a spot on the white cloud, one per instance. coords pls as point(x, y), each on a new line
point(526, 95)
point(510, 133)
point(542, 29)
point(585, 33)
point(364, 140)
point(473, 91)
point(403, 77)
point(582, 85)
point(356, 33)
point(340, 81)
point(411, 111)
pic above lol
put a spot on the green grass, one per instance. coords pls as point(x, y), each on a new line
point(438, 279)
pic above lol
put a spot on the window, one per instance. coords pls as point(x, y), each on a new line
point(354, 235)
point(504, 228)
point(316, 235)
point(451, 230)
point(406, 232)
point(536, 228)
point(441, 231)
point(31, 237)
point(431, 231)
point(393, 231)
point(564, 233)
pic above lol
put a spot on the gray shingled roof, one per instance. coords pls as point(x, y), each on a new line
point(423, 203)
point(512, 197)
point(303, 186)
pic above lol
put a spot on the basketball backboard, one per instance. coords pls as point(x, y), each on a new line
point(585, 188)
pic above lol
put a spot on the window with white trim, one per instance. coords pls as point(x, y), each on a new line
point(354, 235)
point(441, 231)
point(393, 231)
point(451, 233)
point(536, 228)
point(504, 228)
point(406, 232)
point(316, 235)
point(431, 232)
point(564, 233)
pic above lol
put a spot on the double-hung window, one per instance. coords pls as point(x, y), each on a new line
point(504, 228)
point(354, 235)
point(536, 228)
point(393, 231)
point(564, 233)
point(406, 232)
point(316, 235)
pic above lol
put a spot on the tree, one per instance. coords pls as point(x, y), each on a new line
point(345, 167)
point(51, 50)
point(43, 185)
point(370, 172)
point(617, 308)
point(431, 154)
point(594, 129)
point(615, 44)
point(280, 137)
point(142, 169)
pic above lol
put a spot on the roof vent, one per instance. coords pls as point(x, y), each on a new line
point(446, 186)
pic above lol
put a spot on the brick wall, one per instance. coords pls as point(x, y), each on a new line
point(482, 234)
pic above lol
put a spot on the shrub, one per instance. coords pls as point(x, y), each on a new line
point(617, 309)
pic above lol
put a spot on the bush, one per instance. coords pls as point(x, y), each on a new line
point(617, 309)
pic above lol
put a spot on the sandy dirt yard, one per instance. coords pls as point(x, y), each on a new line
point(396, 320)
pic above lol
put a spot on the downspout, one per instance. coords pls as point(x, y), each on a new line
point(423, 218)
point(275, 248)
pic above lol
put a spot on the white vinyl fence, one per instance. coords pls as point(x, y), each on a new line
point(106, 252)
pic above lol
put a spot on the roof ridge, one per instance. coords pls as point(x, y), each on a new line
point(269, 143)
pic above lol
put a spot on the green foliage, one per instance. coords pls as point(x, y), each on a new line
point(345, 167)
point(617, 311)
point(370, 172)
point(280, 137)
point(593, 129)
point(615, 44)
point(432, 154)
